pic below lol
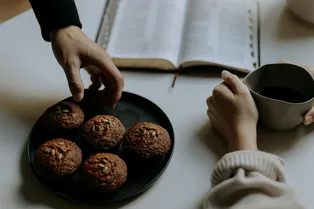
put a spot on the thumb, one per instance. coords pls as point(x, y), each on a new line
point(233, 82)
point(309, 117)
point(72, 72)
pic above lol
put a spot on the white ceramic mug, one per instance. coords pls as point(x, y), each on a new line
point(277, 114)
point(303, 9)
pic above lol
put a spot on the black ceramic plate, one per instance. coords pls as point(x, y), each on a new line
point(130, 110)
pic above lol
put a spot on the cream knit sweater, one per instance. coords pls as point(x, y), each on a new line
point(250, 180)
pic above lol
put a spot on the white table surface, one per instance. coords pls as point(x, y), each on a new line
point(31, 80)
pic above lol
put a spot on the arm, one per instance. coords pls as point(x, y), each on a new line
point(250, 179)
point(60, 24)
point(245, 178)
point(55, 14)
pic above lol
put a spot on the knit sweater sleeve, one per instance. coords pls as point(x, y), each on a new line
point(54, 14)
point(250, 179)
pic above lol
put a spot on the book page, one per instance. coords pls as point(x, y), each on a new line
point(145, 29)
point(217, 31)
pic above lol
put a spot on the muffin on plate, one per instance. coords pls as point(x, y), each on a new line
point(103, 132)
point(146, 141)
point(57, 158)
point(62, 117)
point(104, 172)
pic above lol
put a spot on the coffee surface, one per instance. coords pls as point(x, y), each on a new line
point(283, 94)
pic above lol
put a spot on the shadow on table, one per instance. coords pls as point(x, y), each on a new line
point(280, 142)
point(292, 27)
point(25, 108)
point(213, 140)
point(35, 193)
point(268, 141)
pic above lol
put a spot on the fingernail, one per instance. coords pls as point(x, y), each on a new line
point(224, 73)
point(78, 97)
point(308, 120)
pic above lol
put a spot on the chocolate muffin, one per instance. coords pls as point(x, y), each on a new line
point(146, 141)
point(57, 158)
point(62, 117)
point(103, 132)
point(104, 172)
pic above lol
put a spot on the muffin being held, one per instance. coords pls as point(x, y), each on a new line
point(103, 132)
point(104, 172)
point(57, 158)
point(146, 141)
point(62, 118)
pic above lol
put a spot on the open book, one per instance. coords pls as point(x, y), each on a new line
point(173, 34)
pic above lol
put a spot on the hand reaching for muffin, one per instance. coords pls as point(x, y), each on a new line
point(74, 50)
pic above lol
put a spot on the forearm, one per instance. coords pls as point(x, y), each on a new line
point(54, 14)
point(250, 179)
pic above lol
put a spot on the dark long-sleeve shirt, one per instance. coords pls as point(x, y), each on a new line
point(54, 14)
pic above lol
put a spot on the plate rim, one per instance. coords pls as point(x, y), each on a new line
point(126, 197)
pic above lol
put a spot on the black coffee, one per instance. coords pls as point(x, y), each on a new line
point(283, 94)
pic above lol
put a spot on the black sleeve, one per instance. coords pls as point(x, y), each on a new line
point(54, 14)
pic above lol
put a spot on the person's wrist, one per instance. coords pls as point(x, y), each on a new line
point(242, 146)
point(244, 139)
point(67, 30)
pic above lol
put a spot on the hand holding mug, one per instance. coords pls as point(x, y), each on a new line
point(233, 113)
